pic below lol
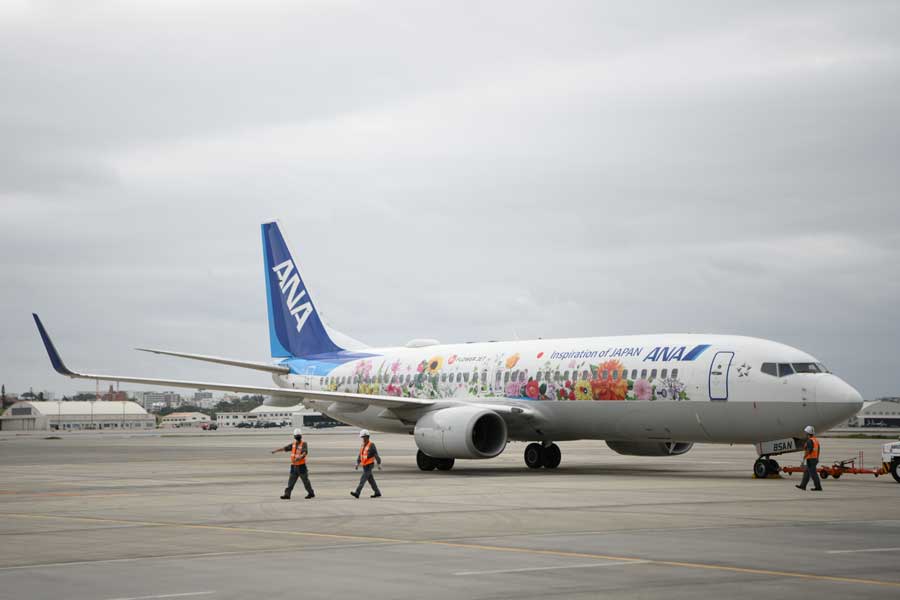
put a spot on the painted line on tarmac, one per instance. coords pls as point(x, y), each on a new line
point(483, 547)
point(187, 555)
point(862, 550)
point(157, 596)
point(529, 569)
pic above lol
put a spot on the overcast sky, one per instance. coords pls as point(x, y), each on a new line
point(457, 170)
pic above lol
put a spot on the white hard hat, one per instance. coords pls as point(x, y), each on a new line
point(363, 433)
point(298, 431)
point(809, 429)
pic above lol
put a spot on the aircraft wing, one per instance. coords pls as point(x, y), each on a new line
point(298, 395)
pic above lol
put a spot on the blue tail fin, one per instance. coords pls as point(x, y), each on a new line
point(295, 328)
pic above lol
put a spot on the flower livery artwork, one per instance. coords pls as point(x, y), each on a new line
point(505, 375)
point(605, 381)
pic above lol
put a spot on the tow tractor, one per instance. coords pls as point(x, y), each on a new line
point(766, 466)
point(890, 459)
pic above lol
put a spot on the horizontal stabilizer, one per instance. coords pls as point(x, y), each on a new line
point(244, 364)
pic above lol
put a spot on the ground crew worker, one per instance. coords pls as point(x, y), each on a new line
point(811, 456)
point(367, 457)
point(299, 450)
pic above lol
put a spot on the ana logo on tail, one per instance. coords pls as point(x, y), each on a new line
point(289, 282)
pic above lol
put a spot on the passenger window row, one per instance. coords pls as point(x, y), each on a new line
point(549, 376)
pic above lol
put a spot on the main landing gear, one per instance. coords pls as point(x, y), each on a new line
point(765, 466)
point(429, 463)
point(539, 455)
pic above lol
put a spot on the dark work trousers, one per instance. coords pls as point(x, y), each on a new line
point(301, 472)
point(367, 476)
point(811, 472)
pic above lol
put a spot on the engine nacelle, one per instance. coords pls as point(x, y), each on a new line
point(461, 432)
point(650, 448)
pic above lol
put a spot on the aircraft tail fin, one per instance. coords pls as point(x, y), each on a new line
point(295, 328)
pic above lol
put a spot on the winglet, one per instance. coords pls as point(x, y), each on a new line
point(55, 359)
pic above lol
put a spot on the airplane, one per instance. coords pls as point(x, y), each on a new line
point(644, 395)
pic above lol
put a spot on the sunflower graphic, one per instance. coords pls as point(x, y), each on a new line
point(434, 364)
point(583, 390)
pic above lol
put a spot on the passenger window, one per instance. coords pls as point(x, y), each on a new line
point(466, 377)
point(769, 369)
point(674, 373)
point(506, 377)
point(459, 378)
point(643, 373)
point(615, 375)
point(522, 376)
point(443, 377)
point(484, 377)
point(566, 375)
point(539, 376)
point(585, 374)
point(604, 374)
point(634, 373)
point(652, 374)
point(664, 373)
point(515, 375)
point(784, 369)
point(498, 377)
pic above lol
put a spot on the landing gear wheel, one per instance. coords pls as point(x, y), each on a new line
point(760, 468)
point(425, 462)
point(824, 474)
point(552, 456)
point(445, 464)
point(837, 475)
point(895, 470)
point(534, 456)
point(772, 467)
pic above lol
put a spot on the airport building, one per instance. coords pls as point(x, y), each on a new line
point(885, 412)
point(294, 416)
point(184, 419)
point(33, 415)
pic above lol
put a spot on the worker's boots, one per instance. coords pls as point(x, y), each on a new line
point(286, 495)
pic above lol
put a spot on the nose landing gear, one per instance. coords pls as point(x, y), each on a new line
point(765, 466)
point(538, 455)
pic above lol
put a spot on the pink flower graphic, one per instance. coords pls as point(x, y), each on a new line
point(642, 389)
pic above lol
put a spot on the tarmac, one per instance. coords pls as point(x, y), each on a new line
point(103, 516)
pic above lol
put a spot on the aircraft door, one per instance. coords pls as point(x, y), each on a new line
point(718, 375)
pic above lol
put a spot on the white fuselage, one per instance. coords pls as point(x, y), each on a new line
point(679, 387)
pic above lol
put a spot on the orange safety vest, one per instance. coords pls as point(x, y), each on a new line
point(296, 451)
point(814, 453)
point(364, 458)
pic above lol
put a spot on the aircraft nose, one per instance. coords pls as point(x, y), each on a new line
point(836, 400)
point(836, 390)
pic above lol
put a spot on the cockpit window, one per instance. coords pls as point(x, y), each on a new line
point(809, 368)
point(769, 369)
point(784, 369)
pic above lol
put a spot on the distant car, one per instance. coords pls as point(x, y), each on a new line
point(243, 425)
point(209, 426)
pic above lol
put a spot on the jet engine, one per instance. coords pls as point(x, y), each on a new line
point(461, 432)
point(650, 448)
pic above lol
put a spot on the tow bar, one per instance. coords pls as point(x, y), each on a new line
point(843, 466)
